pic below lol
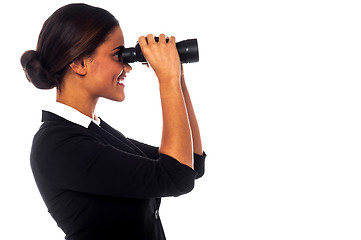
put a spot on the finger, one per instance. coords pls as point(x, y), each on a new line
point(142, 41)
point(162, 38)
point(172, 40)
point(150, 38)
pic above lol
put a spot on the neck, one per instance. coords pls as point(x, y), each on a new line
point(84, 104)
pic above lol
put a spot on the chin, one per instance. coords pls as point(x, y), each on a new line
point(119, 98)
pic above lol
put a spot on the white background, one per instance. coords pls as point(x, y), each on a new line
point(277, 95)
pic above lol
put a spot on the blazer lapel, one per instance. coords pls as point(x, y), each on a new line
point(115, 138)
point(104, 133)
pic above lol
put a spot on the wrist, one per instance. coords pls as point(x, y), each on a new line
point(166, 75)
point(169, 85)
point(169, 79)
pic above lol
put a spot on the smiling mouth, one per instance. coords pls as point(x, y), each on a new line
point(121, 79)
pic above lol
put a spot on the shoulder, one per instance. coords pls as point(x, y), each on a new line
point(53, 137)
point(57, 146)
point(54, 131)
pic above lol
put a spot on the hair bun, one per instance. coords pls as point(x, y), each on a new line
point(35, 72)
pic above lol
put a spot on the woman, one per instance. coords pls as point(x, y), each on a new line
point(96, 183)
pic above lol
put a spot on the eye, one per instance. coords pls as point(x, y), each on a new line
point(118, 54)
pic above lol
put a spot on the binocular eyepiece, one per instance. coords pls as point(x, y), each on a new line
point(187, 49)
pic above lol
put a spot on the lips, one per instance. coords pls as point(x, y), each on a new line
point(120, 81)
point(121, 78)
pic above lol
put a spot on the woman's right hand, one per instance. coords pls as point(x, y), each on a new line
point(163, 57)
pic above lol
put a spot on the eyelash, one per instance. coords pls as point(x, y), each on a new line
point(118, 54)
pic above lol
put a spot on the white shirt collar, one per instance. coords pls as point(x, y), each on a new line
point(71, 114)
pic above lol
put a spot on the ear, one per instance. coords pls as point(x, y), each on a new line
point(79, 66)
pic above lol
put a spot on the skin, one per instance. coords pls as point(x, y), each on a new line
point(196, 135)
point(97, 76)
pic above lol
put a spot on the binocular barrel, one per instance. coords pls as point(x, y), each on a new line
point(187, 49)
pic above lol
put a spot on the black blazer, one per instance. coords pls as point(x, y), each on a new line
point(98, 184)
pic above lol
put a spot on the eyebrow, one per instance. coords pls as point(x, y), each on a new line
point(118, 48)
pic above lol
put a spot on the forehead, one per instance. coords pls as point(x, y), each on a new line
point(115, 39)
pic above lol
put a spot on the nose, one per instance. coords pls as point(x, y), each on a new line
point(127, 67)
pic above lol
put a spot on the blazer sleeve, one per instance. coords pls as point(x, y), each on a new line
point(81, 163)
point(153, 152)
point(199, 164)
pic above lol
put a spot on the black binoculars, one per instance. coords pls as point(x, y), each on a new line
point(187, 49)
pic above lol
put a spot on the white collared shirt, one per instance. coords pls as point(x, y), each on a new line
point(71, 114)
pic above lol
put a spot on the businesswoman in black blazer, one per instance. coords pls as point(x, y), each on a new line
point(97, 183)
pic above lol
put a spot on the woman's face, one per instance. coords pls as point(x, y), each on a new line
point(105, 69)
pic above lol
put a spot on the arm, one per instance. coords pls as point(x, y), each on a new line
point(176, 134)
point(196, 136)
point(72, 158)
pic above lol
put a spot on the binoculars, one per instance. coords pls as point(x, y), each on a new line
point(187, 49)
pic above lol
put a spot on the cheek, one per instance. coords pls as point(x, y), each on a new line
point(106, 71)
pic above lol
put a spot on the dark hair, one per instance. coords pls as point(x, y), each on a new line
point(71, 32)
